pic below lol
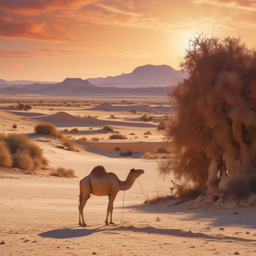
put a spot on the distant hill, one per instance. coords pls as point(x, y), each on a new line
point(148, 75)
point(18, 83)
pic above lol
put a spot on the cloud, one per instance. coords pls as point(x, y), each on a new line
point(33, 7)
point(29, 29)
point(72, 50)
point(246, 5)
point(11, 65)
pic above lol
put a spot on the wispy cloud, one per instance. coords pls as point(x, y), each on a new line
point(32, 30)
point(11, 65)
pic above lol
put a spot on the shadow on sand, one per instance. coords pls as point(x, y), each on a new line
point(70, 232)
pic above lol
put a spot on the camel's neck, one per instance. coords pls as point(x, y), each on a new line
point(127, 184)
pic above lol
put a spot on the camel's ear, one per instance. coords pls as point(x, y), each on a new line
point(132, 170)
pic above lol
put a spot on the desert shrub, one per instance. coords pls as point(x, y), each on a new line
point(215, 110)
point(133, 111)
point(146, 118)
point(147, 133)
point(132, 133)
point(70, 144)
point(112, 117)
point(20, 106)
point(158, 198)
point(25, 153)
point(161, 125)
point(126, 153)
point(107, 128)
point(66, 130)
point(186, 192)
point(83, 139)
point(163, 149)
point(149, 155)
point(5, 156)
point(75, 130)
point(48, 129)
point(14, 126)
point(95, 139)
point(117, 137)
point(27, 107)
point(117, 149)
point(62, 172)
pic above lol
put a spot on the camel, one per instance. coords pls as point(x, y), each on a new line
point(102, 183)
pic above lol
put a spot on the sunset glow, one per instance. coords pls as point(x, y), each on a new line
point(50, 40)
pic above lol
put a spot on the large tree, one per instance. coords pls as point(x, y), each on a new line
point(214, 129)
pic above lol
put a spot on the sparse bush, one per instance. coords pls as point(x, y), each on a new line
point(107, 128)
point(147, 133)
point(117, 149)
point(70, 144)
point(161, 125)
point(126, 153)
point(5, 156)
point(83, 139)
point(149, 155)
point(66, 130)
point(162, 149)
point(187, 193)
point(48, 129)
point(25, 153)
point(112, 117)
point(95, 139)
point(145, 136)
point(27, 107)
point(132, 133)
point(133, 111)
point(146, 118)
point(62, 172)
point(117, 137)
point(74, 130)
point(14, 126)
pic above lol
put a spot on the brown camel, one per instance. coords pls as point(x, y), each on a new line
point(102, 183)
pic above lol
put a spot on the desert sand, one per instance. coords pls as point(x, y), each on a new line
point(39, 213)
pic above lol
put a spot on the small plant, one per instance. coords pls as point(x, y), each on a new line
point(147, 133)
point(112, 117)
point(74, 130)
point(70, 144)
point(132, 133)
point(117, 149)
point(126, 153)
point(83, 139)
point(117, 137)
point(62, 172)
point(133, 111)
point(48, 129)
point(107, 128)
point(5, 156)
point(66, 130)
point(146, 118)
point(161, 125)
point(95, 139)
point(14, 126)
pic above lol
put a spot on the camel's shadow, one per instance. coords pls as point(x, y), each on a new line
point(70, 232)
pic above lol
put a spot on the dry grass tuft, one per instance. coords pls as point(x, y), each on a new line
point(74, 130)
point(117, 149)
point(83, 139)
point(5, 156)
point(147, 133)
point(95, 139)
point(107, 128)
point(70, 144)
point(48, 129)
point(25, 154)
point(117, 136)
point(146, 118)
point(161, 125)
point(65, 130)
point(62, 172)
point(158, 198)
point(14, 126)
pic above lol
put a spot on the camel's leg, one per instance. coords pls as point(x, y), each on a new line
point(110, 208)
point(81, 209)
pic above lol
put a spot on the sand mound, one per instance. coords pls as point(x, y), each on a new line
point(12, 107)
point(107, 106)
point(63, 119)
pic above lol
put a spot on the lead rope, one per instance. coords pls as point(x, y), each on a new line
point(142, 189)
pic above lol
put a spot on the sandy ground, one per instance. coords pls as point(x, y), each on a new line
point(39, 214)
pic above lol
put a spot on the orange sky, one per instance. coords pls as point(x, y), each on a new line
point(53, 39)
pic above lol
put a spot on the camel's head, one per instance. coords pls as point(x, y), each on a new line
point(136, 172)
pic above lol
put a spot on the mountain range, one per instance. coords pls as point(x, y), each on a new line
point(146, 80)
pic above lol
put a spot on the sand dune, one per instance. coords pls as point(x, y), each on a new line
point(63, 119)
point(107, 106)
point(139, 146)
point(11, 107)
point(26, 113)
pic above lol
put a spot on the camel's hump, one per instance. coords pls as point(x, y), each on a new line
point(98, 170)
